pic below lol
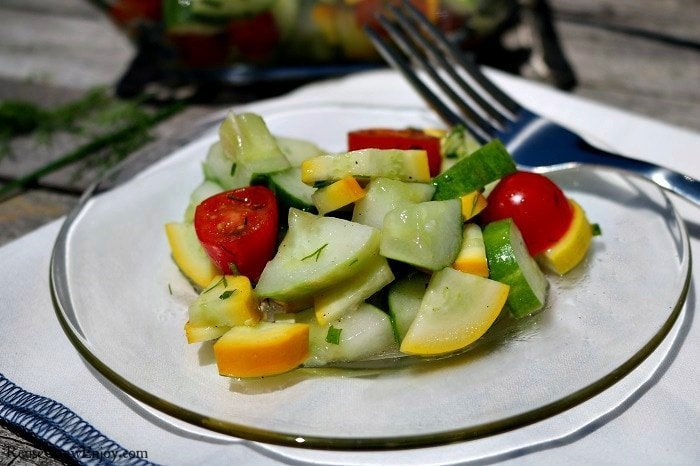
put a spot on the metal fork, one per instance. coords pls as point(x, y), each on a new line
point(488, 112)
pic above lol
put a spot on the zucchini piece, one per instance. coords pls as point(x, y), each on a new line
point(427, 235)
point(457, 309)
point(317, 253)
point(337, 195)
point(297, 150)
point(384, 195)
point(333, 303)
point(290, 191)
point(510, 263)
point(403, 165)
point(361, 334)
point(223, 169)
point(204, 191)
point(458, 143)
point(227, 301)
point(188, 254)
point(404, 299)
point(472, 254)
point(472, 204)
point(200, 333)
point(490, 163)
point(265, 349)
point(246, 140)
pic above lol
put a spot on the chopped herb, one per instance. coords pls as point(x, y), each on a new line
point(222, 280)
point(233, 169)
point(353, 262)
point(333, 335)
point(316, 253)
point(595, 229)
point(232, 267)
point(227, 294)
point(170, 289)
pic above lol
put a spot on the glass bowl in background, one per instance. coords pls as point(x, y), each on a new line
point(252, 41)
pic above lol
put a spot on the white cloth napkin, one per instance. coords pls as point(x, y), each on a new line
point(650, 416)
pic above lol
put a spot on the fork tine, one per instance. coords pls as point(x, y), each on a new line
point(413, 51)
point(468, 65)
point(395, 58)
point(434, 52)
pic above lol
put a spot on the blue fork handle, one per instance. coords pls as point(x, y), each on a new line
point(539, 142)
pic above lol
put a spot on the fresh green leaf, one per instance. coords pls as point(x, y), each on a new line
point(316, 253)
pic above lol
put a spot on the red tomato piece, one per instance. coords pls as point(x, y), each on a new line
point(381, 138)
point(239, 228)
point(255, 37)
point(537, 206)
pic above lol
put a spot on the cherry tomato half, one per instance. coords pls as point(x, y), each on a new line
point(239, 228)
point(381, 138)
point(537, 206)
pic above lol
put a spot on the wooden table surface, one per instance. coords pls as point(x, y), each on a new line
point(638, 55)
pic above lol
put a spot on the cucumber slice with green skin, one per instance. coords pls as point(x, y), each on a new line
point(402, 165)
point(229, 8)
point(179, 18)
point(384, 195)
point(364, 333)
point(404, 299)
point(457, 309)
point(335, 302)
point(316, 253)
point(290, 191)
point(225, 170)
point(246, 140)
point(510, 263)
point(427, 235)
point(203, 191)
point(489, 163)
point(297, 150)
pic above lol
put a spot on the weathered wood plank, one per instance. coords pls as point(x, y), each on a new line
point(31, 210)
point(66, 51)
point(676, 18)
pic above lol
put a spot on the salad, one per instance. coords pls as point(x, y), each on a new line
point(412, 242)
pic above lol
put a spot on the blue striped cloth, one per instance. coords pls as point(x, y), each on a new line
point(54, 424)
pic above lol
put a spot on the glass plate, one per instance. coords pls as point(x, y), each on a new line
point(123, 304)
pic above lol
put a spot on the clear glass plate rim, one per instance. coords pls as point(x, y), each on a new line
point(60, 294)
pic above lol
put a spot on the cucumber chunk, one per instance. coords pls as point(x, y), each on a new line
point(203, 191)
point(510, 263)
point(489, 163)
point(335, 302)
point(364, 333)
point(427, 235)
point(317, 252)
point(227, 301)
point(225, 170)
point(384, 195)
point(457, 309)
point(290, 191)
point(297, 150)
point(246, 139)
point(404, 299)
point(403, 165)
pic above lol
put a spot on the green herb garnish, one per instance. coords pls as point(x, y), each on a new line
point(233, 168)
point(595, 230)
point(227, 294)
point(232, 267)
point(333, 335)
point(170, 289)
point(353, 262)
point(316, 253)
point(222, 280)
